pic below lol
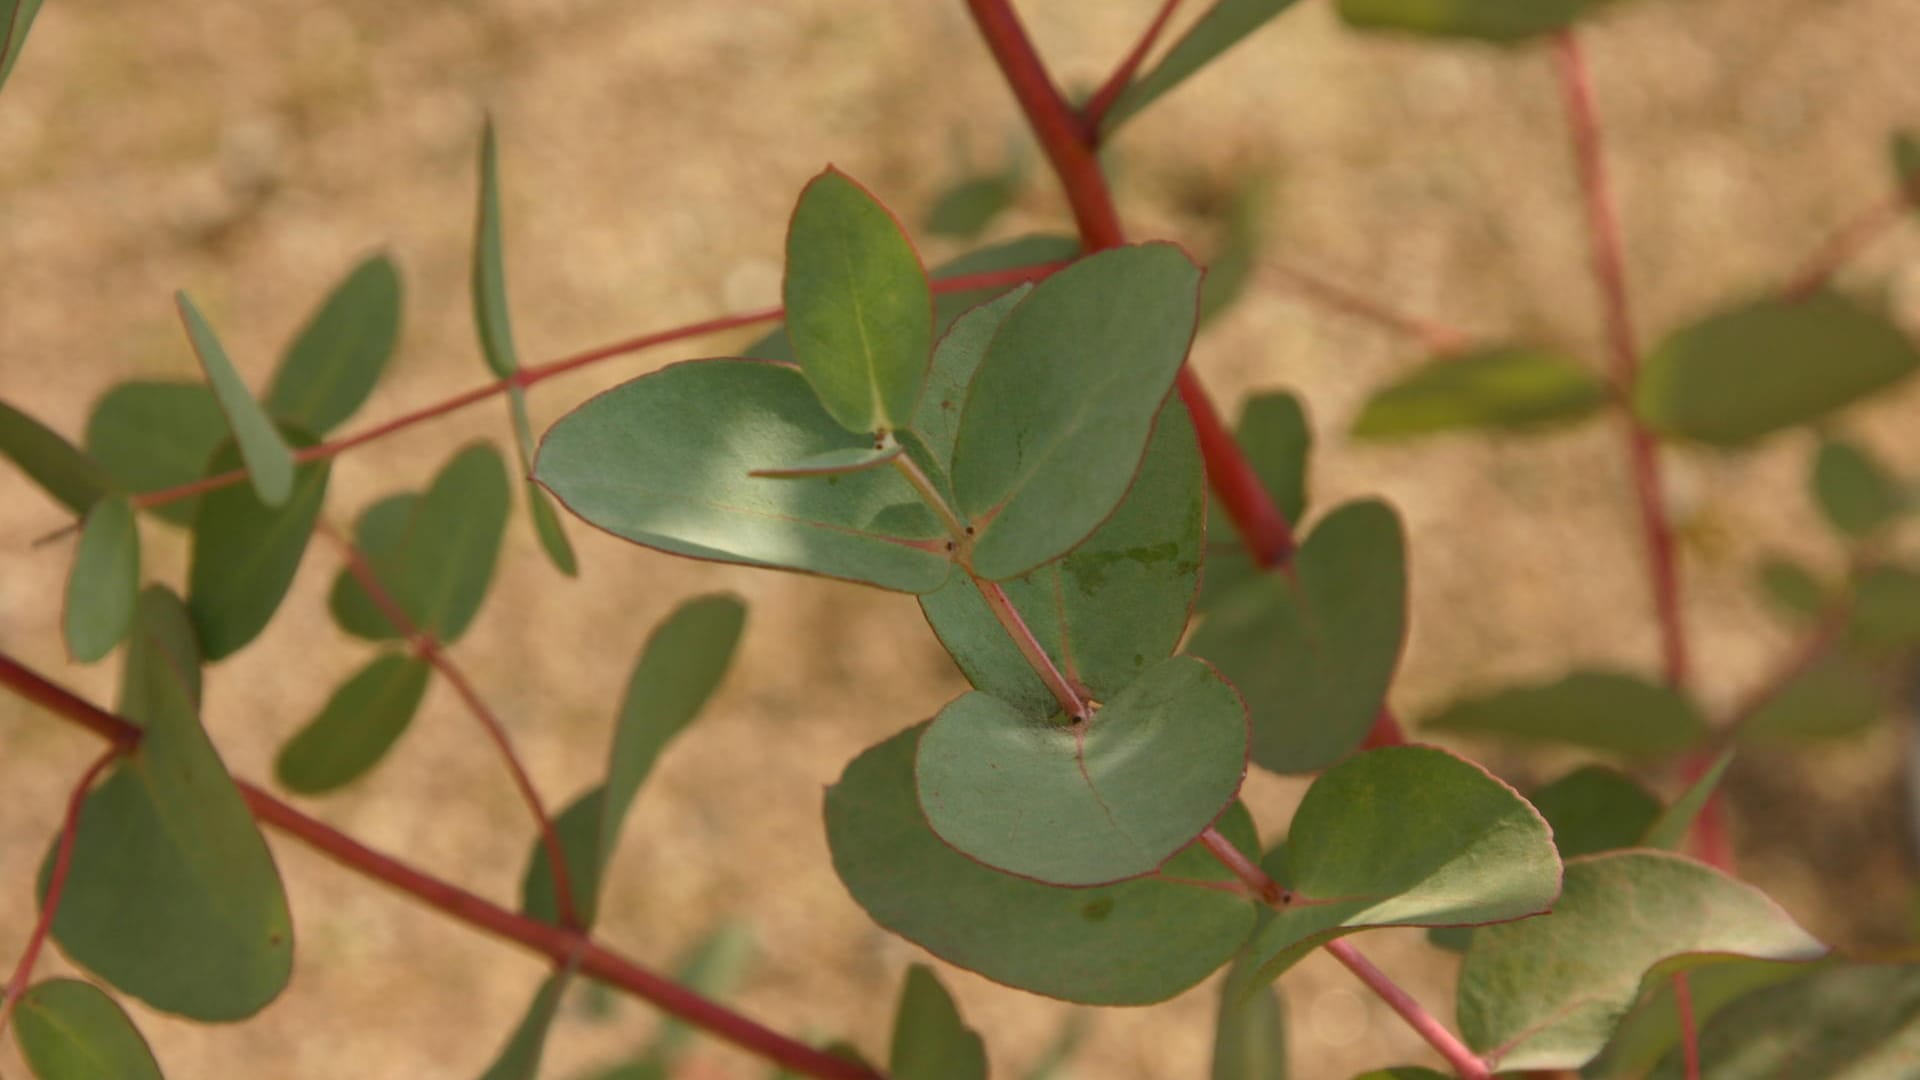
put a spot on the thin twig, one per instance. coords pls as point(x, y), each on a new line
point(1064, 692)
point(1433, 336)
point(1465, 1062)
point(1853, 236)
point(1264, 888)
point(1094, 113)
point(1689, 1029)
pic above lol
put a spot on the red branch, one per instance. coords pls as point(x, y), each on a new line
point(1464, 1061)
point(1689, 1029)
point(557, 944)
point(1263, 888)
point(428, 648)
point(1094, 113)
point(1848, 241)
point(57, 881)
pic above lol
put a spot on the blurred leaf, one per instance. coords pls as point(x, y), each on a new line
point(1547, 993)
point(681, 666)
point(172, 895)
point(380, 534)
point(1129, 944)
point(1669, 830)
point(1793, 588)
point(163, 642)
point(1059, 411)
point(1218, 29)
point(1274, 434)
point(1855, 493)
point(1851, 1022)
point(859, 311)
point(361, 721)
point(1594, 808)
point(930, 1040)
point(152, 436)
point(1086, 803)
point(104, 580)
point(269, 460)
point(1250, 1035)
point(71, 1030)
point(245, 553)
point(1886, 608)
point(1488, 20)
point(16, 18)
point(1052, 1062)
point(1904, 150)
point(1406, 836)
point(546, 522)
point(491, 315)
point(51, 461)
point(966, 207)
point(520, 1058)
point(1403, 1072)
point(1313, 653)
point(1652, 1028)
point(1112, 607)
point(1603, 710)
point(1509, 387)
point(1231, 264)
point(664, 460)
point(1836, 697)
point(332, 366)
point(1745, 373)
point(712, 970)
point(834, 462)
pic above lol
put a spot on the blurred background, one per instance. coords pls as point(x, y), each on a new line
point(252, 151)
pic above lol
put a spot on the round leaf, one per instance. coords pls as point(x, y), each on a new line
point(104, 580)
point(1092, 802)
point(1604, 710)
point(339, 355)
point(70, 1030)
point(363, 719)
point(156, 435)
point(245, 553)
point(1511, 387)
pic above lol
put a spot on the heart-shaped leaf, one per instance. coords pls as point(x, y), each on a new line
point(1129, 944)
point(1603, 710)
point(268, 457)
point(1854, 491)
point(171, 894)
point(337, 358)
point(1313, 653)
point(71, 1030)
point(104, 580)
point(1406, 836)
point(859, 310)
point(1220, 28)
point(1594, 808)
point(245, 553)
point(67, 474)
point(151, 436)
point(930, 1040)
point(1737, 376)
point(1487, 20)
point(665, 460)
point(1512, 387)
point(1059, 411)
point(1547, 993)
point(1089, 802)
point(359, 724)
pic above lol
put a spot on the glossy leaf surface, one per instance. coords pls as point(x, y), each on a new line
point(103, 582)
point(1547, 993)
point(1514, 387)
point(268, 458)
point(930, 1040)
point(51, 461)
point(1603, 710)
point(154, 435)
point(245, 553)
point(664, 461)
point(71, 1030)
point(1313, 655)
point(1128, 944)
point(356, 728)
point(338, 357)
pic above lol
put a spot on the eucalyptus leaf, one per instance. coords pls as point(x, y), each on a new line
point(381, 535)
point(338, 357)
point(1652, 1029)
point(1486, 20)
point(520, 1058)
point(16, 18)
point(1249, 1035)
point(1218, 29)
point(356, 728)
point(104, 581)
point(245, 552)
point(155, 435)
point(1594, 808)
point(68, 475)
point(966, 207)
point(1602, 710)
point(163, 644)
point(1274, 433)
point(1855, 493)
point(930, 1040)
point(1793, 588)
point(835, 462)
point(268, 458)
point(1511, 387)
point(491, 315)
point(1847, 1022)
point(546, 521)
point(1669, 831)
point(1838, 696)
point(71, 1030)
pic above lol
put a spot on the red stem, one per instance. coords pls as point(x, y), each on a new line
point(1689, 1030)
point(557, 944)
point(430, 650)
point(1264, 888)
point(1030, 648)
point(1848, 241)
point(57, 881)
point(1464, 1061)
point(1094, 113)
point(1609, 271)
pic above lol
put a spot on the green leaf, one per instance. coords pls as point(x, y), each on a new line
point(1220, 28)
point(679, 669)
point(1313, 654)
point(930, 1040)
point(245, 553)
point(171, 895)
point(151, 436)
point(1487, 20)
point(1060, 409)
point(363, 719)
point(664, 460)
point(269, 460)
point(1886, 608)
point(1594, 808)
point(1053, 1061)
point(1509, 387)
point(519, 1059)
point(163, 643)
point(1547, 993)
point(835, 462)
point(1603, 710)
point(51, 461)
point(1407, 836)
point(104, 581)
point(859, 310)
point(1232, 263)
point(967, 207)
point(546, 521)
point(1274, 434)
point(1249, 1035)
point(1128, 944)
point(16, 18)
point(1793, 588)
point(1092, 802)
point(1848, 1022)
point(1669, 831)
point(1904, 151)
point(332, 366)
point(490, 313)
point(1652, 1028)
point(1108, 610)
point(1745, 373)
point(1854, 491)
point(1838, 696)
point(70, 1030)
point(436, 556)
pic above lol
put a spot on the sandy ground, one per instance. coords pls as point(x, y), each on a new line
point(251, 151)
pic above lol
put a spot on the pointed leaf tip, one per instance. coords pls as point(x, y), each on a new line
point(268, 458)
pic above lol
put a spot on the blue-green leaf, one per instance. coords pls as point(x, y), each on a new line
point(104, 580)
point(334, 362)
point(268, 458)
